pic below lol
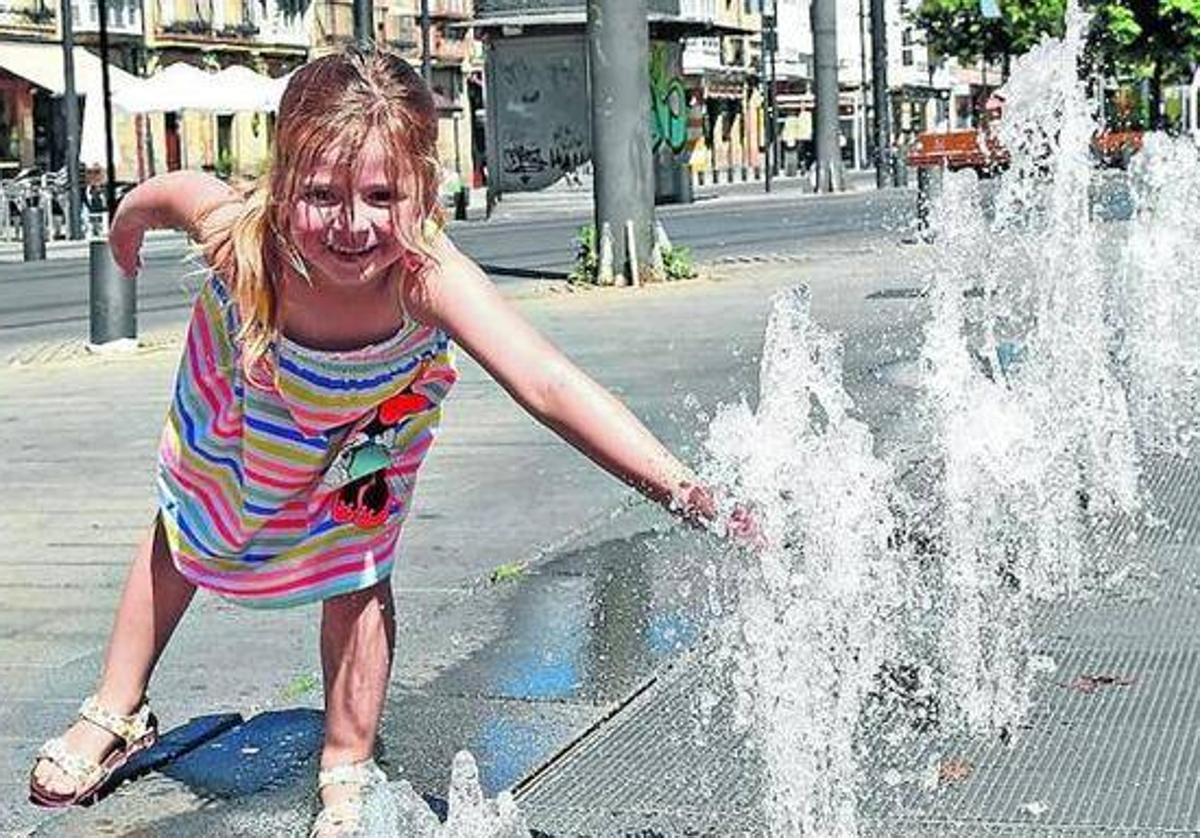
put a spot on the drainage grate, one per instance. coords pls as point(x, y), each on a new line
point(1111, 748)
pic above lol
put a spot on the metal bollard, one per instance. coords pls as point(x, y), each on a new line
point(462, 198)
point(924, 185)
point(33, 232)
point(112, 297)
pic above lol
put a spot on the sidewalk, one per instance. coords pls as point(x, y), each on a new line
point(511, 671)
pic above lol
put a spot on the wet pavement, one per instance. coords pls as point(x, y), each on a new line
point(513, 671)
point(1111, 745)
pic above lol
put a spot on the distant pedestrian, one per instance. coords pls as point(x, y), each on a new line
point(317, 358)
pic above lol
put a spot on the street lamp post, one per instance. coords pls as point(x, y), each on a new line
point(71, 117)
point(110, 181)
point(879, 91)
point(364, 22)
point(768, 83)
point(426, 44)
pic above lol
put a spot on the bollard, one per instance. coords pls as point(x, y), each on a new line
point(924, 200)
point(462, 198)
point(33, 233)
point(112, 297)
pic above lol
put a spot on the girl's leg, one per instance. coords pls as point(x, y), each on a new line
point(358, 639)
point(154, 598)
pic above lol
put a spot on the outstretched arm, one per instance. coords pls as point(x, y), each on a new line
point(175, 200)
point(459, 298)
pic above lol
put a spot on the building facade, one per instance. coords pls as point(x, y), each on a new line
point(270, 37)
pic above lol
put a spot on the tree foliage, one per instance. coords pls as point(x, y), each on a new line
point(957, 28)
point(1157, 39)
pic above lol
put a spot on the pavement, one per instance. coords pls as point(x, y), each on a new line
point(551, 622)
point(536, 592)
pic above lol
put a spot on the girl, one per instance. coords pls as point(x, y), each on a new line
point(316, 361)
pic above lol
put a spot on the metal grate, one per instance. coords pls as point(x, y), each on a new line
point(1118, 755)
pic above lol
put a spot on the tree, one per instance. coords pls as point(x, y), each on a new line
point(958, 29)
point(1158, 40)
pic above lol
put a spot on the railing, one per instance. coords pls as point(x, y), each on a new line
point(48, 191)
point(35, 15)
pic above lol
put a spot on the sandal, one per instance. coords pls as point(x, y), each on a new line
point(345, 816)
point(136, 732)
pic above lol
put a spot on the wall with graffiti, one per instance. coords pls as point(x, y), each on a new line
point(539, 114)
point(668, 98)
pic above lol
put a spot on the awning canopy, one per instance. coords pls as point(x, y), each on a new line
point(184, 87)
point(42, 65)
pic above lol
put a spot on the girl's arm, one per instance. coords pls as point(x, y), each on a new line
point(176, 200)
point(456, 296)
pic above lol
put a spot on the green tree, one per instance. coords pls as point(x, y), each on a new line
point(958, 29)
point(1157, 40)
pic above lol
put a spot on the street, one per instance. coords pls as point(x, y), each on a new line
point(525, 245)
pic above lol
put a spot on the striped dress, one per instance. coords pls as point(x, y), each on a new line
point(281, 494)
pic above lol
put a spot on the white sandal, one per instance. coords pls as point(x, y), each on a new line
point(135, 732)
point(344, 817)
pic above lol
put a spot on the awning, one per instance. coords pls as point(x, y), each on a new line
point(184, 87)
point(42, 64)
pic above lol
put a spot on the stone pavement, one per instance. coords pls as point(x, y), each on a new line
point(498, 489)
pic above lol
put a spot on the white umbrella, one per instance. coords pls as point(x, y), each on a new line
point(238, 88)
point(178, 87)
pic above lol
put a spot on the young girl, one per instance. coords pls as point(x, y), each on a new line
point(310, 388)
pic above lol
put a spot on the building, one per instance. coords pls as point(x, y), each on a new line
point(270, 37)
point(721, 73)
point(538, 127)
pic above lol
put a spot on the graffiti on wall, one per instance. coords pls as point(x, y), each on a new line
point(668, 101)
point(542, 113)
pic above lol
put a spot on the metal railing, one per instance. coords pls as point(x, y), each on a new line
point(48, 191)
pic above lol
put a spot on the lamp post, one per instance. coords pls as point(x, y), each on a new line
point(769, 45)
point(71, 117)
point(426, 44)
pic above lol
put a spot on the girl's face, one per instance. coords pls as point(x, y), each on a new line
point(346, 228)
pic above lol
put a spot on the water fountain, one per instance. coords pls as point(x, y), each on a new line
point(1059, 354)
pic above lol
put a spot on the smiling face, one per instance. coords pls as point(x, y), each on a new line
point(349, 223)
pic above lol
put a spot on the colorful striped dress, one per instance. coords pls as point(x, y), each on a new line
point(281, 494)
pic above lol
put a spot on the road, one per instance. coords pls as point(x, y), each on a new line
point(524, 243)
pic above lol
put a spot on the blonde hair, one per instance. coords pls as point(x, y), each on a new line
point(331, 103)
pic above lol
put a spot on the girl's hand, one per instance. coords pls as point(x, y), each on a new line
point(743, 528)
point(699, 507)
point(125, 239)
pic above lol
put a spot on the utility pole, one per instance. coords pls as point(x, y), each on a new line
point(829, 157)
point(71, 117)
point(619, 68)
point(879, 90)
point(364, 22)
point(110, 182)
point(769, 35)
point(863, 85)
point(426, 45)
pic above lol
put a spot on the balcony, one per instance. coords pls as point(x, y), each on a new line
point(124, 18)
point(32, 17)
point(456, 10)
point(450, 46)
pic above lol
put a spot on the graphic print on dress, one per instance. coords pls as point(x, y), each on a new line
point(358, 471)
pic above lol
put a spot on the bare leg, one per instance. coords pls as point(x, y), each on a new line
point(154, 598)
point(358, 639)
